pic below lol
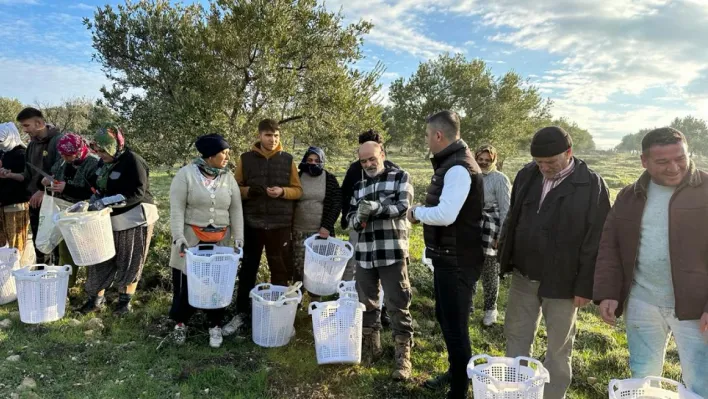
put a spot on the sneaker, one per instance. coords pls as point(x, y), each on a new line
point(215, 337)
point(234, 325)
point(179, 335)
point(490, 317)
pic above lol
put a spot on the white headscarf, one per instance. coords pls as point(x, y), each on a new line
point(9, 137)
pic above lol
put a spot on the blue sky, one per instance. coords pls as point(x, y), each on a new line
point(613, 66)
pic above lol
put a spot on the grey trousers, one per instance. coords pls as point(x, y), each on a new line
point(523, 314)
point(394, 280)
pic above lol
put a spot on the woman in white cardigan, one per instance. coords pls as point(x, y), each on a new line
point(205, 207)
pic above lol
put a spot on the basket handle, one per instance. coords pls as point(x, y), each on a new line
point(612, 386)
point(206, 247)
point(349, 246)
point(499, 384)
point(544, 376)
point(312, 307)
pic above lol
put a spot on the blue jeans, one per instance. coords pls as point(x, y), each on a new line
point(649, 328)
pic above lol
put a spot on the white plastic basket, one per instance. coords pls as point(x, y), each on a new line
point(507, 378)
point(41, 292)
point(88, 235)
point(347, 289)
point(649, 388)
point(273, 317)
point(9, 261)
point(211, 275)
point(337, 327)
point(325, 261)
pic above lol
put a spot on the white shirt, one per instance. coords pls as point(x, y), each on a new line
point(454, 193)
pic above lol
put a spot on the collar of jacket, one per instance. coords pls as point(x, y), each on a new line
point(692, 179)
point(576, 177)
point(51, 132)
point(265, 153)
point(447, 151)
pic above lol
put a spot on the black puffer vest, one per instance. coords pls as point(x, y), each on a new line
point(464, 236)
point(266, 212)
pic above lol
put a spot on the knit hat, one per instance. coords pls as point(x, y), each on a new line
point(210, 145)
point(550, 141)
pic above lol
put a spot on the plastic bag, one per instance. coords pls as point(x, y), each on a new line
point(48, 234)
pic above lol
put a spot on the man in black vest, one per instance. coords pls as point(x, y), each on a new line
point(549, 242)
point(453, 241)
point(270, 185)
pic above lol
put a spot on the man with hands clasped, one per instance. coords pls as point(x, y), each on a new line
point(270, 185)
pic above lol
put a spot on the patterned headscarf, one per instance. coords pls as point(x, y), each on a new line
point(9, 137)
point(492, 154)
point(109, 139)
point(73, 144)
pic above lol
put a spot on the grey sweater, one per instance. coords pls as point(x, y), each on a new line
point(497, 193)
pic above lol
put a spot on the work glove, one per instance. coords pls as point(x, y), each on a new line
point(366, 209)
point(256, 192)
point(181, 244)
point(239, 243)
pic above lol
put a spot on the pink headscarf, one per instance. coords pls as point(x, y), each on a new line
point(73, 144)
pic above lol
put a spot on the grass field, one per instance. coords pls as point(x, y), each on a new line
point(129, 357)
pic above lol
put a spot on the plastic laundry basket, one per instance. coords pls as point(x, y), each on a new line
point(649, 388)
point(347, 289)
point(325, 261)
point(211, 275)
point(507, 378)
point(9, 261)
point(88, 235)
point(273, 317)
point(41, 292)
point(337, 328)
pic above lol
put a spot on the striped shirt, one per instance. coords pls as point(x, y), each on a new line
point(550, 184)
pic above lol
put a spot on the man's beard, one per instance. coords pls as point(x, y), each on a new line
point(372, 172)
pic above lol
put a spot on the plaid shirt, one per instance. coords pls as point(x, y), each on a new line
point(383, 239)
point(491, 227)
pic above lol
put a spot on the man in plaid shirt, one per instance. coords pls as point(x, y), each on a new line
point(378, 213)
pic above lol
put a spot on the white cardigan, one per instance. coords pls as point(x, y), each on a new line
point(192, 204)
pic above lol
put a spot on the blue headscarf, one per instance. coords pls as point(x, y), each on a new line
point(313, 169)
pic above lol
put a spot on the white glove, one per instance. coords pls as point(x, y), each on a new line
point(179, 242)
point(366, 209)
point(239, 243)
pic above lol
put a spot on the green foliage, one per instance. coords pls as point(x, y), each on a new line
point(502, 111)
point(696, 131)
point(184, 70)
point(9, 108)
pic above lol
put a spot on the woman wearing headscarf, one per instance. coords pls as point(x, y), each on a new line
point(497, 190)
point(205, 208)
point(14, 197)
point(317, 210)
point(71, 174)
point(121, 171)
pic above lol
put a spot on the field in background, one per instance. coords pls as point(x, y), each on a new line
point(130, 358)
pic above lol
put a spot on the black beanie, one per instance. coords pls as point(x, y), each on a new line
point(550, 141)
point(210, 145)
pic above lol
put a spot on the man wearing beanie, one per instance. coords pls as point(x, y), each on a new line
point(270, 185)
point(549, 243)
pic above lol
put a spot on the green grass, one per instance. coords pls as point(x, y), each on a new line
point(123, 360)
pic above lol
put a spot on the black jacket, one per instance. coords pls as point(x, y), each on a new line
point(558, 242)
point(11, 191)
point(463, 238)
point(352, 177)
point(130, 177)
point(43, 154)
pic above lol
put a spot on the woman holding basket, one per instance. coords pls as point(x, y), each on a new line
point(317, 210)
point(205, 208)
point(71, 174)
point(121, 171)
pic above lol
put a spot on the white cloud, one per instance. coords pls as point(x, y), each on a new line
point(612, 48)
point(397, 26)
point(49, 81)
point(390, 75)
point(83, 6)
point(18, 2)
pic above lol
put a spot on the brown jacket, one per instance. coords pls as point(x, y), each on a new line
point(688, 245)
